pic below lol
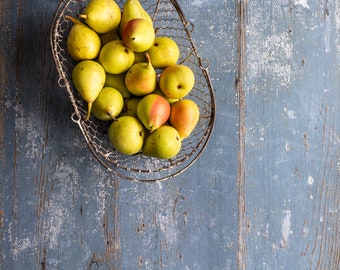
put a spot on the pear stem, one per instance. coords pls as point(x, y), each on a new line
point(147, 56)
point(74, 20)
point(83, 16)
point(111, 116)
point(89, 107)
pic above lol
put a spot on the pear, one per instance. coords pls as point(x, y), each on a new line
point(108, 105)
point(138, 34)
point(164, 52)
point(176, 81)
point(126, 135)
point(133, 9)
point(117, 81)
point(141, 78)
point(102, 15)
point(82, 42)
point(131, 106)
point(140, 57)
point(163, 143)
point(159, 92)
point(115, 57)
point(153, 111)
point(110, 36)
point(88, 78)
point(184, 116)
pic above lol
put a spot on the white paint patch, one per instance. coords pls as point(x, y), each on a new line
point(290, 113)
point(337, 26)
point(305, 232)
point(20, 245)
point(285, 228)
point(270, 57)
point(303, 3)
point(327, 33)
point(198, 3)
point(164, 218)
point(66, 190)
point(310, 180)
point(26, 127)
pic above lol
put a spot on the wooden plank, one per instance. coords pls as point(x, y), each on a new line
point(292, 135)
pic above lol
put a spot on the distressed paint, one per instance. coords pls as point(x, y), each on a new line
point(292, 146)
point(264, 194)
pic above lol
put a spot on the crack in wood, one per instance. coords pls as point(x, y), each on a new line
point(242, 10)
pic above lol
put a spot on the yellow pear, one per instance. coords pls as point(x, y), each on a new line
point(184, 116)
point(176, 81)
point(133, 9)
point(88, 78)
point(126, 135)
point(82, 42)
point(110, 36)
point(140, 57)
point(131, 106)
point(115, 57)
point(163, 143)
point(138, 34)
point(117, 81)
point(141, 79)
point(108, 105)
point(102, 15)
point(164, 52)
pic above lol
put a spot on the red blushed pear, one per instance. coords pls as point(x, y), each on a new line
point(138, 35)
point(153, 111)
point(141, 78)
point(184, 116)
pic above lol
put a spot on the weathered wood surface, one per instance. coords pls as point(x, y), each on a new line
point(265, 193)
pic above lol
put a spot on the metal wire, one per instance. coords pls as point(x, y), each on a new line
point(168, 20)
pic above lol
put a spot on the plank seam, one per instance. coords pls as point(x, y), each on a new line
point(240, 75)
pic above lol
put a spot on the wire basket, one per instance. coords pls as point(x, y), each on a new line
point(168, 20)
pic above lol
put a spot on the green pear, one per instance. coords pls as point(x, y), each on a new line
point(102, 15)
point(138, 34)
point(141, 78)
point(159, 92)
point(115, 57)
point(140, 57)
point(110, 36)
point(126, 135)
point(82, 42)
point(184, 116)
point(153, 111)
point(176, 81)
point(117, 81)
point(131, 106)
point(163, 143)
point(108, 105)
point(133, 9)
point(164, 52)
point(88, 78)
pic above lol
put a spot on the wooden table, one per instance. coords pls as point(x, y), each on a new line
point(265, 193)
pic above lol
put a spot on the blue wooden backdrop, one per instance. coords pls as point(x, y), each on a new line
point(265, 193)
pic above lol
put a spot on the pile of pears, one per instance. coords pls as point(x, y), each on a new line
point(130, 76)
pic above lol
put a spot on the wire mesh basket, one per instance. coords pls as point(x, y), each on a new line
point(168, 20)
